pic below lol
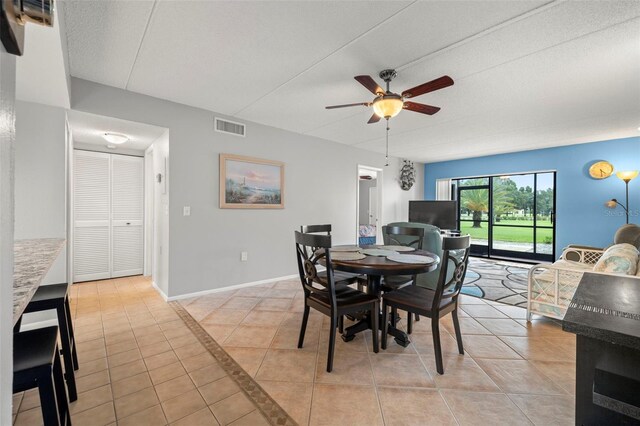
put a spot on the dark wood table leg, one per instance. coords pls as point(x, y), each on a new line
point(373, 287)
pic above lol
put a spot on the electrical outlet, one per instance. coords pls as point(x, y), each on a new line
point(186, 211)
point(244, 256)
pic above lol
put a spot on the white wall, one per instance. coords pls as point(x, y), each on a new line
point(7, 137)
point(40, 178)
point(161, 214)
point(204, 250)
point(40, 184)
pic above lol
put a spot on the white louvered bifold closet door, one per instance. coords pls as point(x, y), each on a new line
point(127, 212)
point(92, 217)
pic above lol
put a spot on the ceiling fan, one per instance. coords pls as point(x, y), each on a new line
point(388, 104)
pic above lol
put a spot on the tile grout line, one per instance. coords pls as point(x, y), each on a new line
point(263, 401)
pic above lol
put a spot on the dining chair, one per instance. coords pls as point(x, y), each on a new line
point(329, 299)
point(408, 237)
point(341, 278)
point(437, 303)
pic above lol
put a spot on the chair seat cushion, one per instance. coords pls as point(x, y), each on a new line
point(345, 296)
point(417, 299)
point(50, 292)
point(34, 348)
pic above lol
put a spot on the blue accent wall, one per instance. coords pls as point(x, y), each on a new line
point(581, 215)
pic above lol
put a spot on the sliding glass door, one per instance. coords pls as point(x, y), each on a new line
point(510, 216)
point(473, 216)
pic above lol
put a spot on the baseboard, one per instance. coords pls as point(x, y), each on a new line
point(38, 324)
point(159, 290)
point(220, 290)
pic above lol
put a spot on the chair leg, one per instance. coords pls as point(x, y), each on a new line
point(456, 326)
point(409, 322)
point(16, 328)
point(435, 329)
point(72, 335)
point(415, 283)
point(66, 351)
point(303, 327)
point(49, 405)
point(385, 323)
point(332, 343)
point(61, 395)
point(341, 324)
point(375, 315)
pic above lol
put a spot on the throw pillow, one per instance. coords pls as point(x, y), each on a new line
point(618, 259)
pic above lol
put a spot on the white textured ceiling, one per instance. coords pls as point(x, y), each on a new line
point(90, 129)
point(528, 74)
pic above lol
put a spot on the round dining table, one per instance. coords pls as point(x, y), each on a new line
point(375, 267)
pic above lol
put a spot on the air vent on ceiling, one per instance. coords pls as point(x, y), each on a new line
point(226, 126)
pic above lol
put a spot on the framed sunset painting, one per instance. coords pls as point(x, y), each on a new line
point(251, 183)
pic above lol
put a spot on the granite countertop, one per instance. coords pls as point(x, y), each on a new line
point(32, 260)
point(606, 308)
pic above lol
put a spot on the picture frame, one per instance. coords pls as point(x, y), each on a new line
point(251, 183)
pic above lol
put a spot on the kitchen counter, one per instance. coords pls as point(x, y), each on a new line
point(606, 308)
point(32, 261)
point(605, 315)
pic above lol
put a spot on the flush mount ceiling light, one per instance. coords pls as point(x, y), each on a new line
point(115, 138)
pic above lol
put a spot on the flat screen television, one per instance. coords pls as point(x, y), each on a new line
point(443, 214)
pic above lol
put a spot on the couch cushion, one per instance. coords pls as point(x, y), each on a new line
point(618, 259)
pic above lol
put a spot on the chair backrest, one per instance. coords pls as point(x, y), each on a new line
point(310, 248)
point(403, 236)
point(432, 242)
point(453, 269)
point(316, 229)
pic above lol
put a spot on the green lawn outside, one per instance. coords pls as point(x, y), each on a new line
point(517, 235)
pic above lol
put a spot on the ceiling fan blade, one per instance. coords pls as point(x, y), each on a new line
point(349, 105)
point(370, 84)
point(437, 84)
point(422, 108)
point(374, 119)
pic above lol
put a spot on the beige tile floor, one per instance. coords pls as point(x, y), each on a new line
point(512, 372)
point(140, 365)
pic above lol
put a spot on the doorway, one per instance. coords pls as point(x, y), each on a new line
point(509, 216)
point(118, 199)
point(368, 206)
point(108, 207)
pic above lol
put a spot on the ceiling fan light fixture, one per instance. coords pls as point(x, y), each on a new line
point(388, 106)
point(115, 138)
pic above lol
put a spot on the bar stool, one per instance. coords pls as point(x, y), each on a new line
point(56, 296)
point(36, 363)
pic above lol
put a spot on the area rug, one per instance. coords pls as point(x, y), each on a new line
point(503, 282)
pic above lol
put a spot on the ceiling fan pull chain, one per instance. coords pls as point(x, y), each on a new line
point(386, 157)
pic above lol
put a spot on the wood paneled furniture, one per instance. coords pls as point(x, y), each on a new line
point(408, 237)
point(36, 363)
point(328, 299)
point(433, 304)
point(375, 267)
point(56, 297)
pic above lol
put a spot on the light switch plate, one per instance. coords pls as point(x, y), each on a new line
point(244, 256)
point(186, 211)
